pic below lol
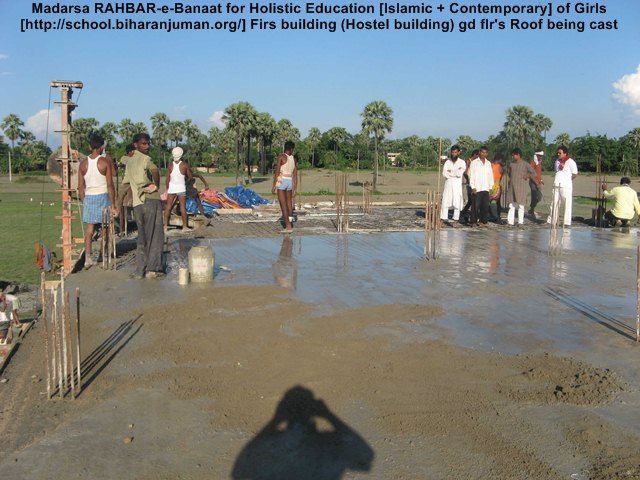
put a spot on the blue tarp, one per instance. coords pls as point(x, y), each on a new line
point(192, 206)
point(245, 197)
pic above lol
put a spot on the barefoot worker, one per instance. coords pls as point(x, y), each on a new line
point(178, 174)
point(96, 192)
point(144, 177)
point(286, 182)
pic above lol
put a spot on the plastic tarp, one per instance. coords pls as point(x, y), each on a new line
point(246, 197)
point(192, 206)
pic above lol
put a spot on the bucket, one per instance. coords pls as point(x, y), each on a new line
point(183, 276)
point(201, 261)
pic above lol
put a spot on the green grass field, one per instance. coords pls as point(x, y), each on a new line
point(28, 210)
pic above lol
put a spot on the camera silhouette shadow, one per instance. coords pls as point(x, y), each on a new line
point(305, 441)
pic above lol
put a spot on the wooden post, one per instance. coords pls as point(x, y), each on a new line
point(298, 189)
point(78, 340)
point(47, 358)
point(102, 240)
point(63, 335)
point(439, 162)
point(346, 199)
point(638, 299)
point(436, 225)
point(600, 201)
point(56, 340)
point(426, 224)
point(69, 345)
point(431, 225)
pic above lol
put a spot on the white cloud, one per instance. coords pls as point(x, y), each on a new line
point(216, 119)
point(627, 90)
point(37, 124)
point(3, 56)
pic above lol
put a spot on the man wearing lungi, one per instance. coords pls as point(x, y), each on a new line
point(95, 188)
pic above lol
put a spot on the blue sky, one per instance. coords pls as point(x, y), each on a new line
point(440, 84)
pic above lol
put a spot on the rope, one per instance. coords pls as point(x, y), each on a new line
point(46, 141)
point(77, 201)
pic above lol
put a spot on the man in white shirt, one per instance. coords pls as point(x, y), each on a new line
point(481, 181)
point(563, 187)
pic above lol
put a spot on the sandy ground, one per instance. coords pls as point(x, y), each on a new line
point(494, 362)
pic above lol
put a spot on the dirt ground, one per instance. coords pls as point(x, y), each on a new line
point(247, 380)
point(195, 383)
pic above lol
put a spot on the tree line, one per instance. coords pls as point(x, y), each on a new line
point(252, 139)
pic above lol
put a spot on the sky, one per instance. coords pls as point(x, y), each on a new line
point(443, 84)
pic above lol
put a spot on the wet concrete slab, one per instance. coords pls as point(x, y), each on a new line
point(500, 290)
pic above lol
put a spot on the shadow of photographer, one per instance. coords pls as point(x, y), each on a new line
point(304, 440)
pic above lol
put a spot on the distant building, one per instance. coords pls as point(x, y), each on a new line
point(213, 168)
point(393, 158)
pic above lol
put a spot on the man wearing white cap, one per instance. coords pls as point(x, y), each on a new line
point(452, 170)
point(536, 183)
point(177, 175)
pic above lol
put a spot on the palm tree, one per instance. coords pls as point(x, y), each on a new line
point(266, 129)
point(542, 125)
point(337, 135)
point(563, 139)
point(160, 127)
point(222, 142)
point(286, 132)
point(313, 139)
point(238, 118)
point(467, 144)
point(27, 138)
point(518, 128)
point(81, 131)
point(199, 147)
point(36, 151)
point(126, 130)
point(175, 132)
point(191, 130)
point(252, 132)
point(377, 119)
point(634, 139)
point(108, 131)
point(12, 127)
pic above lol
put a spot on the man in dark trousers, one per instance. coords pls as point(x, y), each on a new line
point(481, 181)
point(144, 178)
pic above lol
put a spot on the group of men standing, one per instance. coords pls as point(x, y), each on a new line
point(96, 191)
point(483, 186)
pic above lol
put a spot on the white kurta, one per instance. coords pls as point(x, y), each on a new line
point(452, 193)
